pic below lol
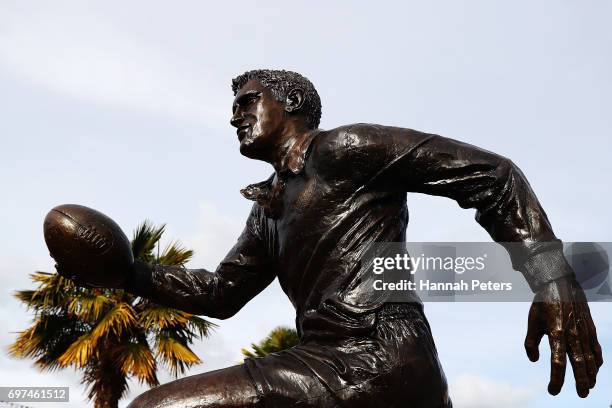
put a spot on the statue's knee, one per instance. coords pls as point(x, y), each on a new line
point(229, 387)
point(153, 398)
point(137, 403)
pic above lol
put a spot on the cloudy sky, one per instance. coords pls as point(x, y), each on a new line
point(125, 106)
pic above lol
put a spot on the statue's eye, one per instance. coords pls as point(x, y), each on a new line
point(252, 98)
point(246, 100)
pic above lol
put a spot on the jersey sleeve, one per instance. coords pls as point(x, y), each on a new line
point(506, 206)
point(244, 272)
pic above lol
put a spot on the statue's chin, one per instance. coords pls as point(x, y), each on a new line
point(249, 148)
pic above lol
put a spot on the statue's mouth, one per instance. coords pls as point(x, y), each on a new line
point(242, 131)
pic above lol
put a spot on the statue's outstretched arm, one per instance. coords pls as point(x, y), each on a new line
point(243, 273)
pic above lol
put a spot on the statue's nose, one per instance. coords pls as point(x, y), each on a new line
point(236, 120)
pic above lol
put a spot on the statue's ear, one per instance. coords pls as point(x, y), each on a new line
point(295, 100)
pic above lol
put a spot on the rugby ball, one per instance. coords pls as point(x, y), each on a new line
point(88, 246)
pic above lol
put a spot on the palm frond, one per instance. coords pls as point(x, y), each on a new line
point(156, 317)
point(116, 321)
point(50, 335)
point(27, 344)
point(201, 327)
point(89, 306)
point(175, 254)
point(42, 278)
point(51, 295)
point(145, 239)
point(79, 352)
point(248, 353)
point(137, 359)
point(177, 355)
point(28, 297)
point(279, 339)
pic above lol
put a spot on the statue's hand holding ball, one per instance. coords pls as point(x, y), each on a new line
point(89, 247)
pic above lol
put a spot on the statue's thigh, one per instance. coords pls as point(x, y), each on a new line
point(227, 388)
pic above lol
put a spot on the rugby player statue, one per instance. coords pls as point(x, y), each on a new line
point(332, 196)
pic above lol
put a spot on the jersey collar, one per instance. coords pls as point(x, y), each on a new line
point(293, 163)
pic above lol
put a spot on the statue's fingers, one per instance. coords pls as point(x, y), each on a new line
point(532, 342)
point(579, 362)
point(534, 336)
point(558, 361)
point(595, 346)
point(589, 351)
point(597, 351)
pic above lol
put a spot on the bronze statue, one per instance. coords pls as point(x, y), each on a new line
point(333, 194)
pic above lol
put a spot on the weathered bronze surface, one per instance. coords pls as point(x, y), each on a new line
point(333, 194)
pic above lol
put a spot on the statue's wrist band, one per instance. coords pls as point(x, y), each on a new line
point(545, 266)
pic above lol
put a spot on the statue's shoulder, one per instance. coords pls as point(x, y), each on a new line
point(349, 139)
point(343, 148)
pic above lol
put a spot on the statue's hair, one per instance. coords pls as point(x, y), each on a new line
point(280, 82)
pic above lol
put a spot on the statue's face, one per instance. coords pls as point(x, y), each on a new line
point(259, 119)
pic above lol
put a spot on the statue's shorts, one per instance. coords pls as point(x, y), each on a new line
point(395, 367)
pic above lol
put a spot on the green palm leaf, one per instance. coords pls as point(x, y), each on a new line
point(175, 254)
point(200, 327)
point(279, 339)
point(28, 297)
point(145, 240)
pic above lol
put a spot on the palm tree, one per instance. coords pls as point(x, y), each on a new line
point(110, 334)
point(279, 339)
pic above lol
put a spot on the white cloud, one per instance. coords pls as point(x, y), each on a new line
point(86, 55)
point(475, 391)
point(216, 232)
